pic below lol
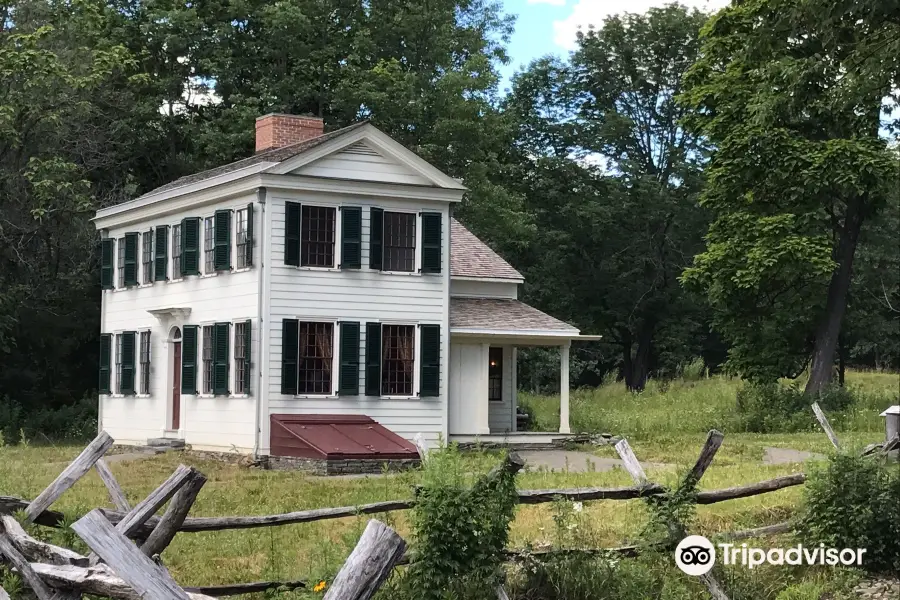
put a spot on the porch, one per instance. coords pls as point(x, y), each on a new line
point(485, 335)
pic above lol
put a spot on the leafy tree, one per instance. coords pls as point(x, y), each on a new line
point(613, 182)
point(798, 169)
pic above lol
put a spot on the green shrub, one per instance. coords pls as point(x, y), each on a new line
point(774, 407)
point(73, 422)
point(853, 503)
point(459, 530)
point(694, 370)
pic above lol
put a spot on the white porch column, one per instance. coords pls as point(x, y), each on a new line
point(564, 389)
point(482, 404)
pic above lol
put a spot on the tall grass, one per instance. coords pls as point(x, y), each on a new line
point(684, 407)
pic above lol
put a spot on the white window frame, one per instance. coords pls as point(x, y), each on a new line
point(209, 246)
point(337, 235)
point(231, 357)
point(417, 251)
point(417, 341)
point(234, 242)
point(145, 271)
point(173, 259)
point(201, 363)
point(118, 339)
point(120, 263)
point(140, 366)
point(335, 354)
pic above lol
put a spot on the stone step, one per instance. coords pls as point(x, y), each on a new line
point(165, 443)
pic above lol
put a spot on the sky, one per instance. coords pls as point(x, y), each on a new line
point(549, 26)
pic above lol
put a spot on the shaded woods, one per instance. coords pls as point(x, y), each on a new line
point(600, 175)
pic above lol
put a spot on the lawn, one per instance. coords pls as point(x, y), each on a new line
point(663, 425)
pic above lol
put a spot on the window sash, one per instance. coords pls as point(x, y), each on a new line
point(120, 249)
point(242, 238)
point(147, 256)
point(398, 360)
point(145, 362)
point(176, 251)
point(495, 374)
point(240, 355)
point(317, 236)
point(315, 358)
point(399, 242)
point(209, 245)
point(208, 359)
point(119, 339)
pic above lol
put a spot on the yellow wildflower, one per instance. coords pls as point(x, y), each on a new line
point(320, 586)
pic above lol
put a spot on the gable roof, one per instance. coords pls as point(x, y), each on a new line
point(275, 155)
point(470, 257)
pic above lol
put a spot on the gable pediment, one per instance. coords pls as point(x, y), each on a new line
point(362, 161)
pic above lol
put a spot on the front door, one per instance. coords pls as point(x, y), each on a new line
point(176, 387)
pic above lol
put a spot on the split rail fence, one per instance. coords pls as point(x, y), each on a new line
point(126, 543)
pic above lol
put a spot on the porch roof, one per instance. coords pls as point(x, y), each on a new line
point(504, 316)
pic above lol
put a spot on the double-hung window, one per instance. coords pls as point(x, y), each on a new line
point(208, 359)
point(147, 256)
point(399, 241)
point(398, 359)
point(315, 355)
point(120, 338)
point(317, 236)
point(241, 357)
point(176, 251)
point(145, 360)
point(243, 240)
point(121, 260)
point(495, 374)
point(209, 245)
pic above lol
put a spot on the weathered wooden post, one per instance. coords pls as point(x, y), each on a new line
point(826, 426)
point(379, 549)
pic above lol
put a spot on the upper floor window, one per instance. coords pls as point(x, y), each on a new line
point(399, 241)
point(243, 239)
point(209, 245)
point(120, 248)
point(176, 251)
point(317, 236)
point(147, 256)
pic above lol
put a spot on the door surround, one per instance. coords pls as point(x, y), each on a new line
point(173, 412)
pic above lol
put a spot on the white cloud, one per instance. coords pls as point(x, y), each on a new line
point(552, 2)
point(592, 12)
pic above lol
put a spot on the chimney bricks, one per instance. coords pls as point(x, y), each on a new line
point(279, 130)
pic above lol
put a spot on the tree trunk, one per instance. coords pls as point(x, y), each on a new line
point(637, 366)
point(836, 305)
point(842, 360)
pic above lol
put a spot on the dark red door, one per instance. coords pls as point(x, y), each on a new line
point(176, 387)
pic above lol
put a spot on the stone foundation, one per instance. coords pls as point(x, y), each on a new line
point(353, 466)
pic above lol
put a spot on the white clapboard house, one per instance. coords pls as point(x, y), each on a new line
point(315, 300)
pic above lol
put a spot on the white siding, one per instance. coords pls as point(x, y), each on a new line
point(206, 423)
point(355, 295)
point(484, 289)
point(362, 163)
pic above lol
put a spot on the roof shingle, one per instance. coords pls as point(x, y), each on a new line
point(504, 314)
point(470, 257)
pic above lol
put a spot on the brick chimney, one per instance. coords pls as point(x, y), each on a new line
point(276, 130)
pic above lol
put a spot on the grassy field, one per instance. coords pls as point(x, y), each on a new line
point(663, 426)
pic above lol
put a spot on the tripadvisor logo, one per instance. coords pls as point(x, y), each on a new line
point(696, 555)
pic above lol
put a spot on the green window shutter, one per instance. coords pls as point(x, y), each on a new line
point(373, 359)
point(190, 246)
point(248, 337)
point(376, 233)
point(222, 250)
point(161, 257)
point(348, 376)
point(430, 361)
point(220, 359)
point(431, 242)
point(250, 235)
point(131, 250)
point(126, 386)
point(290, 341)
point(351, 237)
point(106, 264)
point(292, 216)
point(105, 353)
point(189, 360)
